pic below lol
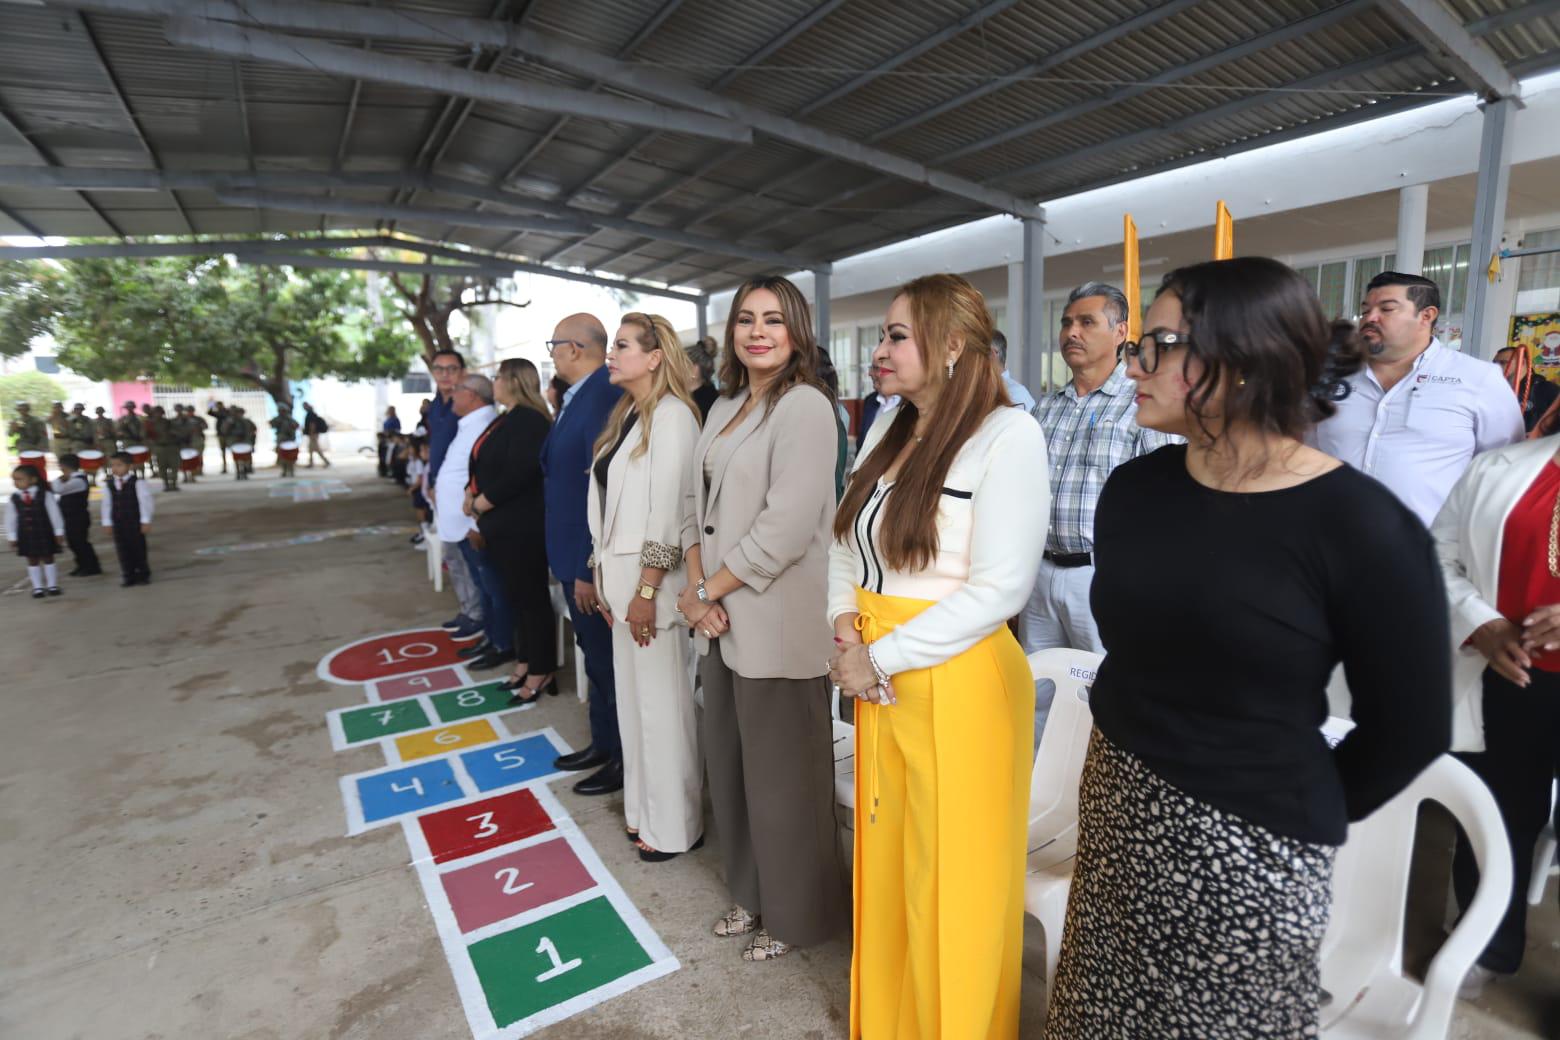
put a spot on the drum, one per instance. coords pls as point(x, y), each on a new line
point(91, 460)
point(241, 451)
point(189, 460)
point(287, 451)
point(139, 454)
point(35, 460)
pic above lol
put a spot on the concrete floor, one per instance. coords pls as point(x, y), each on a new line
point(172, 834)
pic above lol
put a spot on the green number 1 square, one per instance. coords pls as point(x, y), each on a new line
point(464, 704)
point(555, 959)
point(382, 720)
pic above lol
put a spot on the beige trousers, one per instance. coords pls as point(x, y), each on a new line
point(662, 770)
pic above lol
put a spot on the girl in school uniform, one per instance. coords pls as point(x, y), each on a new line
point(35, 528)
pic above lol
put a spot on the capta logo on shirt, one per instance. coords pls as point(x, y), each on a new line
point(1439, 380)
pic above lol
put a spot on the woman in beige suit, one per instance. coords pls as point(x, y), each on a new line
point(756, 532)
point(640, 479)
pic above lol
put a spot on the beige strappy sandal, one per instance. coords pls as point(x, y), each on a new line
point(766, 947)
point(737, 921)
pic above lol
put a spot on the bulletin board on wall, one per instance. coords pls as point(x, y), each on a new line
point(1539, 335)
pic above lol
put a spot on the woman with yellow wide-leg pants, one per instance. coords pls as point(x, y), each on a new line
point(938, 541)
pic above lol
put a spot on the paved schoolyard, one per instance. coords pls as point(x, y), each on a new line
point(174, 843)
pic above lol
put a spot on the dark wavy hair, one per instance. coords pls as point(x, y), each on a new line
point(1260, 332)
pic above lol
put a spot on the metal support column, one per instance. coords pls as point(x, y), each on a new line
point(703, 307)
point(1484, 325)
point(1033, 335)
point(1413, 208)
point(821, 306)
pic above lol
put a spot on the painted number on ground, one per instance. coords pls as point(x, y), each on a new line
point(385, 656)
point(467, 829)
point(385, 720)
point(438, 741)
point(454, 705)
point(505, 765)
point(401, 791)
point(555, 959)
point(412, 685)
point(513, 883)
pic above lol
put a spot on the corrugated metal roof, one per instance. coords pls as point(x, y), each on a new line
point(1089, 119)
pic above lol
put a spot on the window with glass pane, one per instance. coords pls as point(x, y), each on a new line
point(1332, 283)
point(1309, 274)
point(846, 363)
point(1459, 296)
point(999, 319)
point(1543, 270)
point(1365, 269)
point(1439, 268)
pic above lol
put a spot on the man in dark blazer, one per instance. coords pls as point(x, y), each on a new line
point(579, 353)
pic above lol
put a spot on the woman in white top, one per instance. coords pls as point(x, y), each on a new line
point(642, 470)
point(938, 541)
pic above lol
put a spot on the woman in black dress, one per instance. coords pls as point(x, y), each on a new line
point(506, 498)
point(1233, 574)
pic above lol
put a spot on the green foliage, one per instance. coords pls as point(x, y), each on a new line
point(35, 388)
point(189, 319)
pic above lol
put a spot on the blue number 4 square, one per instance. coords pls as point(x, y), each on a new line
point(402, 791)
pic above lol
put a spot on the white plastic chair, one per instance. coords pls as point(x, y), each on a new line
point(1053, 792)
point(1362, 952)
point(435, 557)
point(844, 777)
point(1544, 854)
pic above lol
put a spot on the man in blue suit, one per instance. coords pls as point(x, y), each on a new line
point(579, 353)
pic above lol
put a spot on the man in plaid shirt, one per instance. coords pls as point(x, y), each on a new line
point(1090, 427)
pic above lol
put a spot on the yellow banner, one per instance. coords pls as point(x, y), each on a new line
point(1133, 285)
point(1223, 234)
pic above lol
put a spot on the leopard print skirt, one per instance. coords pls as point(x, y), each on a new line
point(1184, 922)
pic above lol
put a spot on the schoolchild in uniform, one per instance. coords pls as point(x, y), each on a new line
point(71, 492)
point(127, 511)
point(241, 430)
point(35, 528)
point(416, 469)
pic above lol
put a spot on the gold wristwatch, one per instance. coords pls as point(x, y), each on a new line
point(647, 590)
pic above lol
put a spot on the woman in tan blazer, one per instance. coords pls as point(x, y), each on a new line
point(756, 533)
point(640, 480)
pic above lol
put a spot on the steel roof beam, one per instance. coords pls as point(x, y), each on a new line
point(334, 59)
point(1244, 49)
point(118, 91)
point(48, 157)
point(1445, 37)
point(389, 211)
point(727, 113)
point(567, 220)
point(485, 262)
point(1514, 16)
point(1212, 115)
point(21, 222)
point(915, 50)
point(1044, 65)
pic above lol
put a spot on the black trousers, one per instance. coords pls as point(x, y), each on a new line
point(1519, 763)
point(78, 529)
point(521, 560)
point(130, 544)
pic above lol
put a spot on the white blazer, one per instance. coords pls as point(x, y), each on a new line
point(1468, 534)
point(643, 507)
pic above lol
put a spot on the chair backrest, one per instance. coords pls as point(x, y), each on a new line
point(1370, 883)
point(1053, 786)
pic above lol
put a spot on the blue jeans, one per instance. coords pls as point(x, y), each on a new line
point(498, 624)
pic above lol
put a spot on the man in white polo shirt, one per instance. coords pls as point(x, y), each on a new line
point(1417, 412)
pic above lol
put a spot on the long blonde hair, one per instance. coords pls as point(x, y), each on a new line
point(524, 384)
point(669, 377)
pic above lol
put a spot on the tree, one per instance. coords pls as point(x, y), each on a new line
point(35, 388)
point(436, 298)
point(190, 319)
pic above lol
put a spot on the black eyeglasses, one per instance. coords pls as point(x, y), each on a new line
point(553, 344)
point(1147, 350)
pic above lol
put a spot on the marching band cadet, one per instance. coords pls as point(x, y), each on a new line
point(286, 428)
point(132, 432)
point(59, 428)
point(34, 528)
point(104, 432)
point(78, 428)
point(30, 432)
point(70, 490)
point(163, 438)
point(127, 510)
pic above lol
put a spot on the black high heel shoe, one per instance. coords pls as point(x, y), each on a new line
point(513, 683)
point(519, 699)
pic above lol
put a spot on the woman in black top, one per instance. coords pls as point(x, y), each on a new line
point(506, 498)
point(1233, 574)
